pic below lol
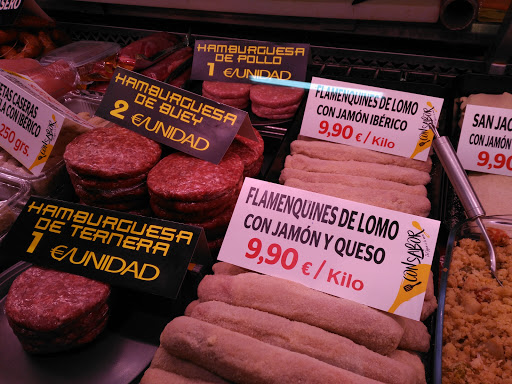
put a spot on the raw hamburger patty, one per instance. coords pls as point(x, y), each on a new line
point(275, 96)
point(198, 218)
point(251, 153)
point(235, 103)
point(275, 116)
point(45, 300)
point(67, 334)
point(248, 150)
point(255, 168)
point(185, 178)
point(226, 100)
point(130, 204)
point(258, 108)
point(111, 153)
point(220, 203)
point(43, 346)
point(227, 90)
point(98, 183)
point(111, 195)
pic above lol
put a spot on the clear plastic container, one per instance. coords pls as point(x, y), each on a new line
point(45, 184)
point(81, 53)
point(82, 101)
point(14, 193)
point(54, 178)
point(478, 287)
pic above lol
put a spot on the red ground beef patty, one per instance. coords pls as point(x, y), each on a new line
point(111, 195)
point(44, 300)
point(92, 182)
point(219, 204)
point(51, 311)
point(239, 103)
point(196, 218)
point(261, 109)
point(225, 90)
point(251, 152)
point(274, 96)
point(112, 153)
point(186, 178)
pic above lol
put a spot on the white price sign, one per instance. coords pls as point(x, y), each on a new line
point(30, 121)
point(486, 139)
point(380, 119)
point(374, 256)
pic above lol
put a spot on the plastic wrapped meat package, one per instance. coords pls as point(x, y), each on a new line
point(54, 174)
point(94, 60)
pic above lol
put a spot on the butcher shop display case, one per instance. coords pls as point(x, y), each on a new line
point(447, 50)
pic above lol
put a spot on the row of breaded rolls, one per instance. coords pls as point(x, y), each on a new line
point(251, 328)
point(358, 174)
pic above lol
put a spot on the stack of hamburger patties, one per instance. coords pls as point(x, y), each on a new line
point(267, 101)
point(108, 167)
point(192, 191)
point(50, 311)
point(233, 94)
point(275, 102)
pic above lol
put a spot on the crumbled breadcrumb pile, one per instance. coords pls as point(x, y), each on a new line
point(477, 333)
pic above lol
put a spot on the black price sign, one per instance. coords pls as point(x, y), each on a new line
point(137, 252)
point(9, 11)
point(239, 62)
point(172, 116)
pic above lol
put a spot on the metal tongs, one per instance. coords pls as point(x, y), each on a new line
point(464, 190)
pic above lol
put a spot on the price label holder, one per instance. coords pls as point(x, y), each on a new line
point(374, 256)
point(30, 120)
point(130, 251)
point(172, 116)
point(380, 119)
point(239, 61)
point(486, 139)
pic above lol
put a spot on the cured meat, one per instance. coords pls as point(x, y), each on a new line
point(161, 70)
point(141, 53)
point(100, 86)
point(19, 65)
point(56, 79)
point(32, 46)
